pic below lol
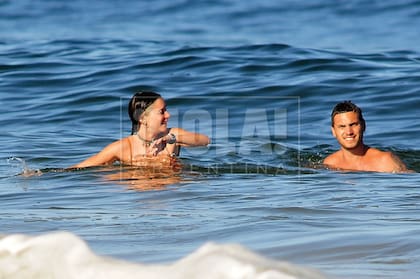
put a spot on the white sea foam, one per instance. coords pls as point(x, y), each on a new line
point(64, 255)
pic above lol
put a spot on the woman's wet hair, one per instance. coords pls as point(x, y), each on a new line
point(348, 106)
point(138, 105)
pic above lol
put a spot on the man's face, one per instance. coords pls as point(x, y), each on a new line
point(348, 130)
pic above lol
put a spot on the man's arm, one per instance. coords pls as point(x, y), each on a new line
point(392, 163)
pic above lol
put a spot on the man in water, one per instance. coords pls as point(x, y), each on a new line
point(348, 126)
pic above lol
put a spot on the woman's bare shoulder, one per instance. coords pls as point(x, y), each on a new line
point(119, 145)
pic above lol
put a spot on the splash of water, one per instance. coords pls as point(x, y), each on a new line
point(25, 170)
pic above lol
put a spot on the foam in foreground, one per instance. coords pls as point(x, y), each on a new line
point(64, 255)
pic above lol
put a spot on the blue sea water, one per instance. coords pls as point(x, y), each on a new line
point(260, 78)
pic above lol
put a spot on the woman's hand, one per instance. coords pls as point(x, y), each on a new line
point(160, 144)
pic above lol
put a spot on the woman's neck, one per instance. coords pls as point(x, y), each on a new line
point(147, 136)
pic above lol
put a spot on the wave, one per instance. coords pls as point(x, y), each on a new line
point(23, 256)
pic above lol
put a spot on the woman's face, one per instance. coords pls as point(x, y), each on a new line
point(156, 117)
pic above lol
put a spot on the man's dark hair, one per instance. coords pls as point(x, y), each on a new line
point(348, 106)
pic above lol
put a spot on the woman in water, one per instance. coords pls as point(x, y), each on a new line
point(151, 142)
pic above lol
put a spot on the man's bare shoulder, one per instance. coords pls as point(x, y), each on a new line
point(372, 151)
point(386, 161)
point(332, 159)
point(379, 156)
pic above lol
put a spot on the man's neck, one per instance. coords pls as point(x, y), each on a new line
point(356, 152)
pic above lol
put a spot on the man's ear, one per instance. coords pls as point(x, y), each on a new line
point(333, 131)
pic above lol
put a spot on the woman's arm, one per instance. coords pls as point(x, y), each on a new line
point(106, 156)
point(186, 138)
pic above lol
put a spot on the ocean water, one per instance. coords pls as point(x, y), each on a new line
point(260, 79)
